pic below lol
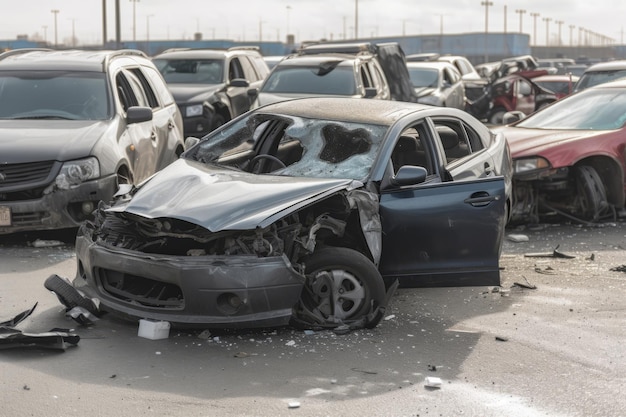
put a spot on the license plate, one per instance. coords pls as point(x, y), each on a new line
point(5, 216)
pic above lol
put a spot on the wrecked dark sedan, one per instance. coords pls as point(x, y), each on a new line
point(308, 211)
point(569, 158)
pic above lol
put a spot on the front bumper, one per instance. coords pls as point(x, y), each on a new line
point(189, 291)
point(58, 209)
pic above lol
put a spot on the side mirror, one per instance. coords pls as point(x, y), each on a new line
point(137, 114)
point(239, 82)
point(409, 175)
point(512, 117)
point(253, 93)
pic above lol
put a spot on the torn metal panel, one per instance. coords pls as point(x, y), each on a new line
point(19, 318)
point(11, 338)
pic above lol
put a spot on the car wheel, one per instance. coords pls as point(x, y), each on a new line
point(495, 118)
point(342, 286)
point(592, 200)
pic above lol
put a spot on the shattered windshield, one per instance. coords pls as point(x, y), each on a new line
point(325, 78)
point(294, 146)
point(69, 95)
point(600, 109)
point(191, 71)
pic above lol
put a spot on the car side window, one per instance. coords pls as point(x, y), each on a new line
point(160, 86)
point(454, 139)
point(235, 70)
point(125, 92)
point(366, 77)
point(248, 69)
point(151, 97)
point(411, 149)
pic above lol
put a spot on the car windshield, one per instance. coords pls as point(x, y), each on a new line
point(590, 79)
point(67, 95)
point(562, 87)
point(191, 71)
point(593, 109)
point(307, 147)
point(424, 77)
point(326, 78)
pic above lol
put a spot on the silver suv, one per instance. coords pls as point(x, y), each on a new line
point(73, 126)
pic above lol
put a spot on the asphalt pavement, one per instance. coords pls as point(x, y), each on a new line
point(548, 342)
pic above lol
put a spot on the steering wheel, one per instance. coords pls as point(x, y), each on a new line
point(259, 157)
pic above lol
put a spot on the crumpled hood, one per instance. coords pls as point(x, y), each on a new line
point(48, 140)
point(527, 142)
point(222, 199)
point(184, 93)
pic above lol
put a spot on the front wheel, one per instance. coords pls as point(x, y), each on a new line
point(592, 200)
point(343, 287)
point(496, 116)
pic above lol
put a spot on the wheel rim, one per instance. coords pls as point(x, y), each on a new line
point(339, 292)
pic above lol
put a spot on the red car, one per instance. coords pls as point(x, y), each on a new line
point(560, 84)
point(568, 158)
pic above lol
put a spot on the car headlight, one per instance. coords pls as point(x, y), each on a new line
point(76, 172)
point(192, 111)
point(535, 163)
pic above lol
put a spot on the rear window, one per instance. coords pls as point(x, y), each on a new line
point(191, 71)
point(589, 79)
point(325, 78)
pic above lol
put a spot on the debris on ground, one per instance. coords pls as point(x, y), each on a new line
point(79, 307)
point(513, 237)
point(526, 284)
point(40, 243)
point(55, 339)
point(621, 268)
point(501, 339)
point(547, 271)
point(554, 254)
point(432, 382)
point(294, 404)
point(432, 368)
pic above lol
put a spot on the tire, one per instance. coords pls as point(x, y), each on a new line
point(592, 200)
point(343, 286)
point(68, 295)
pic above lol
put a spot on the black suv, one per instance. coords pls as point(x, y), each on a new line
point(358, 70)
point(211, 85)
point(73, 126)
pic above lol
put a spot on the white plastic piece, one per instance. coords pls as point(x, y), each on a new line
point(433, 382)
point(154, 330)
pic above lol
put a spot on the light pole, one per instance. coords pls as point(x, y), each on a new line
point(288, 12)
point(547, 20)
point(356, 19)
point(486, 4)
point(535, 16)
point(571, 35)
point(73, 33)
point(559, 24)
point(134, 20)
point(45, 34)
point(261, 30)
point(521, 14)
point(55, 12)
point(148, 33)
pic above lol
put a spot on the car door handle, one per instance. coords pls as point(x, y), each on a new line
point(488, 169)
point(153, 136)
point(171, 125)
point(481, 199)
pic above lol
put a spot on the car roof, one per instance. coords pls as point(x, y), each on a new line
point(76, 60)
point(556, 77)
point(308, 60)
point(607, 66)
point(379, 112)
point(431, 64)
point(214, 53)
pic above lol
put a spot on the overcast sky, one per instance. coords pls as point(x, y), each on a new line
point(270, 20)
